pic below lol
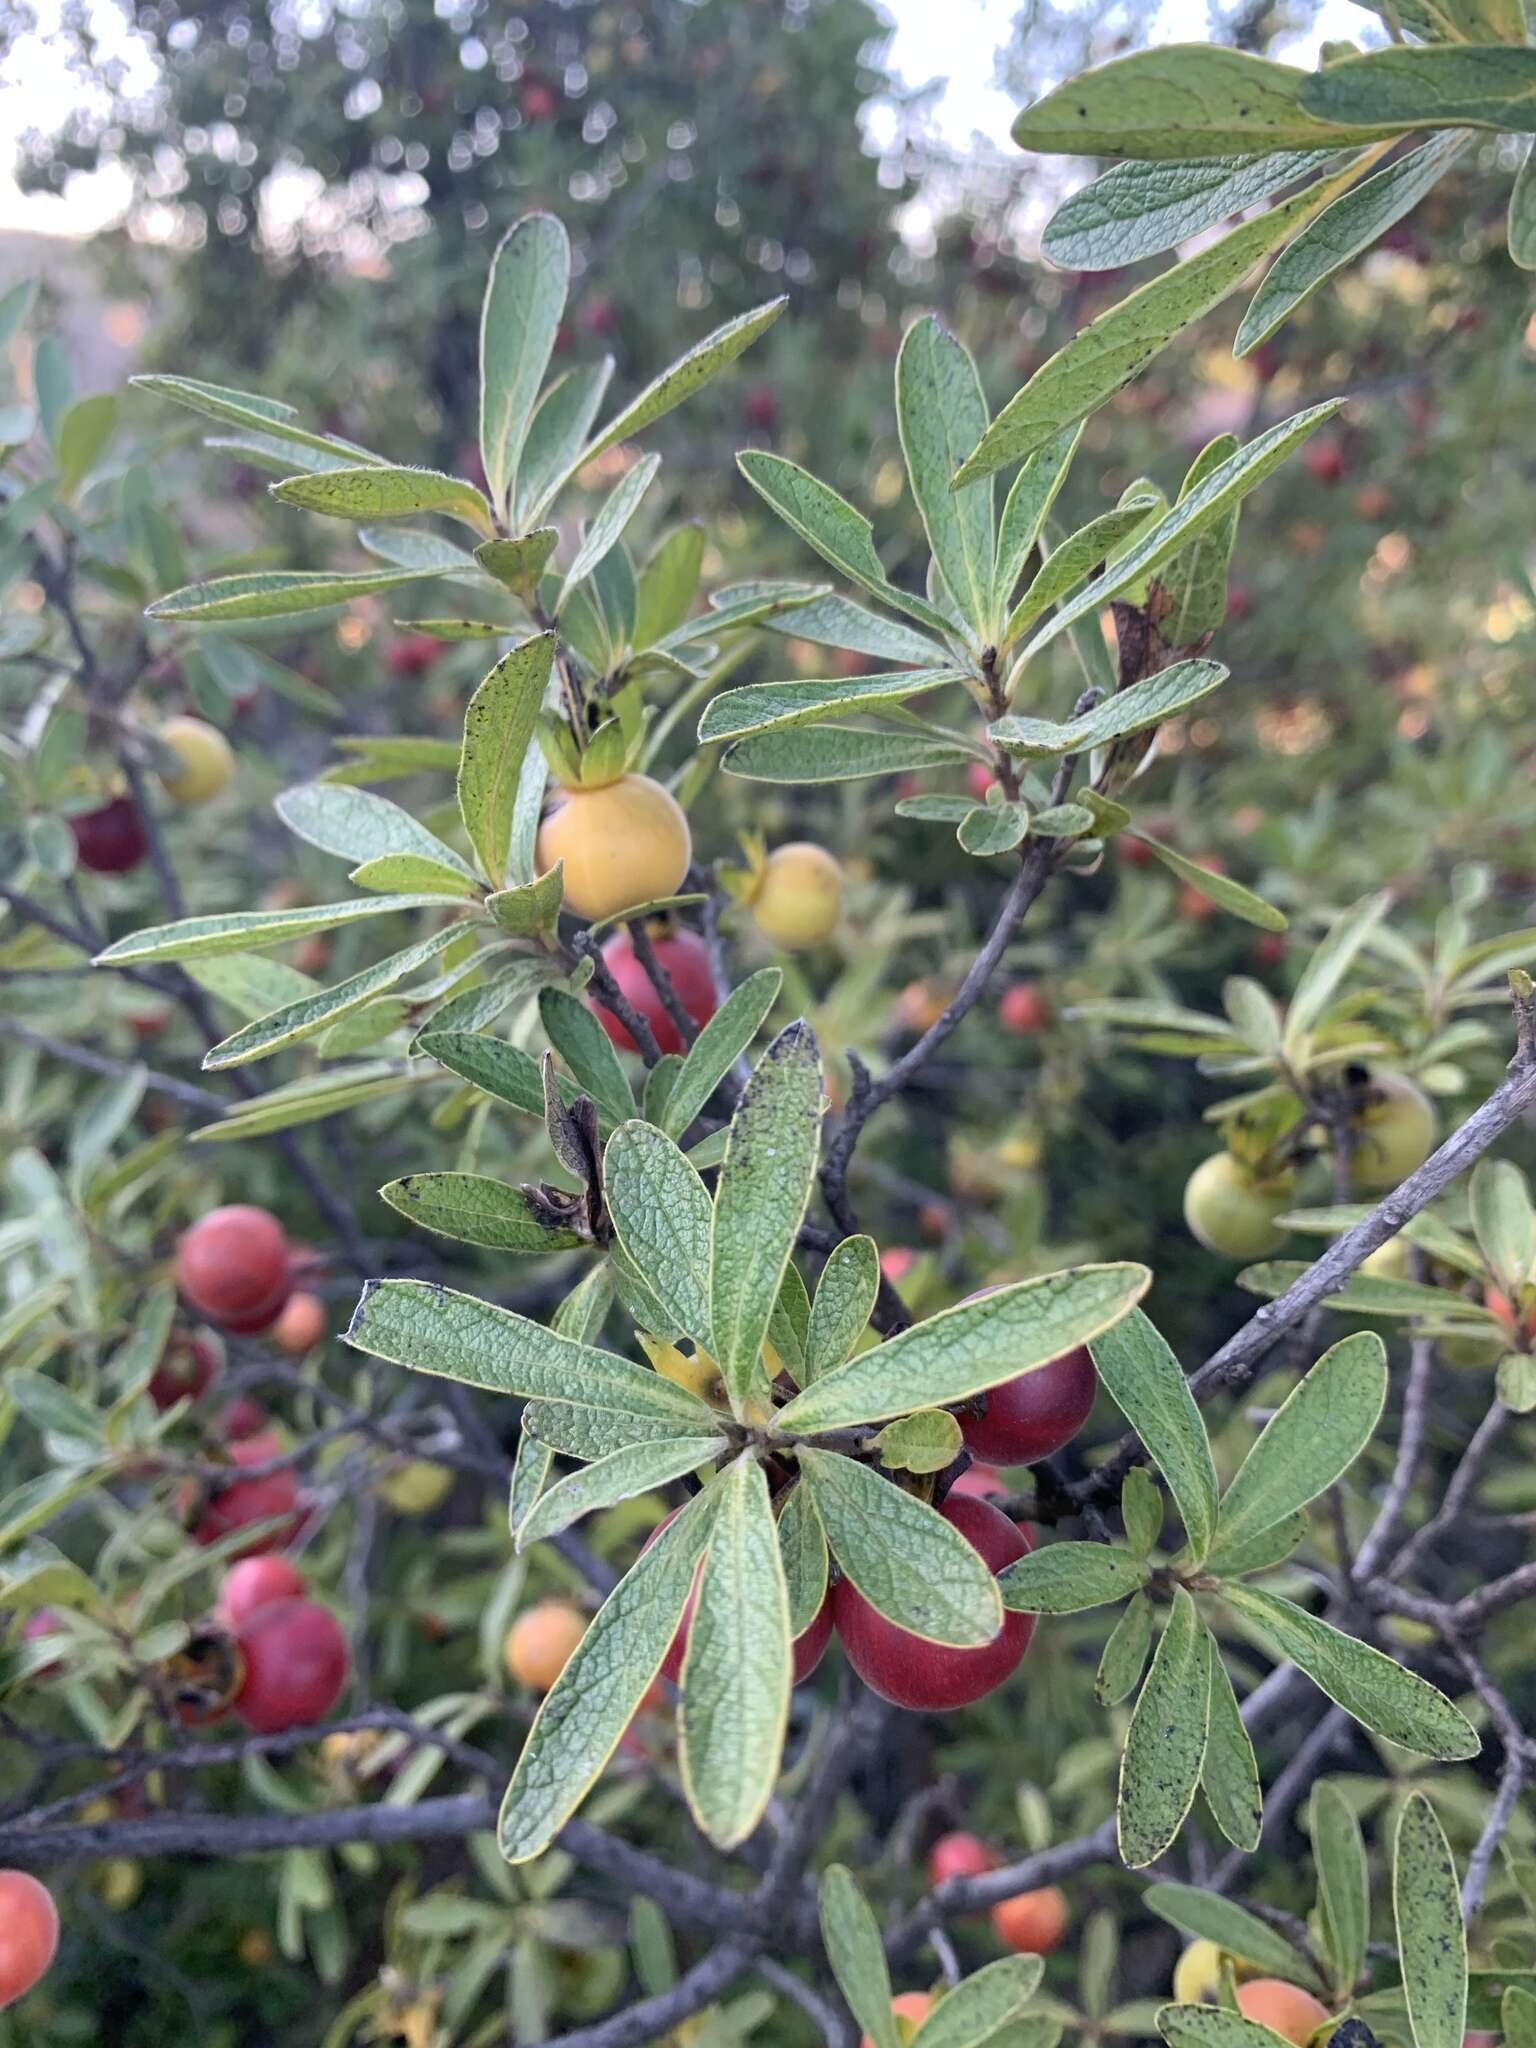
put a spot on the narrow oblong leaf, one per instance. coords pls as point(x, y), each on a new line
point(1137, 209)
point(761, 1200)
point(941, 415)
point(1147, 1384)
point(1229, 1777)
point(1210, 1917)
point(843, 1303)
point(906, 1560)
point(1067, 1578)
point(969, 1348)
point(520, 316)
point(1343, 1882)
point(981, 2005)
point(378, 491)
point(499, 723)
point(624, 1473)
point(1378, 1692)
point(718, 1046)
point(661, 1212)
point(476, 1209)
point(1352, 223)
point(1165, 1743)
point(1431, 1938)
point(736, 1672)
point(854, 1948)
point(1316, 1434)
point(595, 1698)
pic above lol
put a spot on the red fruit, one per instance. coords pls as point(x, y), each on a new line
point(1023, 1010)
point(253, 1500)
point(760, 407)
point(931, 1677)
point(29, 1933)
point(1324, 459)
point(186, 1372)
point(233, 1265)
point(295, 1663)
point(257, 1582)
point(1032, 1416)
point(243, 1417)
point(959, 1855)
point(414, 655)
point(685, 958)
point(111, 839)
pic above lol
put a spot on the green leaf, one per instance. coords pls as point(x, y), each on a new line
point(1212, 499)
point(1066, 1578)
point(621, 1475)
point(605, 530)
point(1147, 1385)
point(832, 621)
point(1343, 1883)
point(1125, 1653)
point(1135, 210)
point(438, 1330)
point(1136, 709)
point(778, 707)
point(1185, 100)
point(760, 1202)
point(1230, 1774)
point(392, 872)
point(1522, 212)
point(1209, 1917)
point(276, 593)
point(1066, 566)
point(736, 1673)
point(829, 524)
point(588, 1051)
point(1431, 1939)
point(1165, 1743)
point(941, 415)
point(298, 1021)
point(839, 753)
point(718, 1046)
point(593, 1701)
point(845, 1300)
point(1221, 889)
point(851, 1935)
point(476, 1210)
point(661, 1212)
point(358, 825)
point(666, 586)
point(1375, 1690)
point(906, 1560)
point(1352, 223)
point(1311, 1440)
point(1111, 349)
point(1502, 1221)
point(982, 2005)
point(969, 1348)
point(374, 491)
point(1443, 85)
point(927, 1440)
point(1141, 1509)
point(1031, 498)
point(498, 725)
point(552, 450)
point(803, 1546)
point(524, 299)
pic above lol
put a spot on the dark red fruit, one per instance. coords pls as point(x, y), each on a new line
point(931, 1677)
point(685, 957)
point(258, 1582)
point(186, 1372)
point(1034, 1415)
point(959, 1855)
point(245, 1501)
point(233, 1265)
point(295, 1663)
point(111, 839)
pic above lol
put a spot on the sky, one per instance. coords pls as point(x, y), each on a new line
point(952, 40)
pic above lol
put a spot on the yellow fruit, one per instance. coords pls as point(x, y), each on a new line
point(798, 896)
point(416, 1488)
point(1231, 1212)
point(1394, 1132)
point(541, 1641)
point(623, 845)
point(1197, 1974)
point(206, 763)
